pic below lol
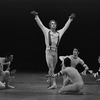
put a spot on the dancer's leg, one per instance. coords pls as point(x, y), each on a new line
point(6, 79)
point(2, 86)
point(72, 88)
point(51, 58)
point(55, 59)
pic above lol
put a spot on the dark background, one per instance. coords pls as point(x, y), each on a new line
point(21, 36)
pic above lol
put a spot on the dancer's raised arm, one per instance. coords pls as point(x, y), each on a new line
point(61, 31)
point(39, 22)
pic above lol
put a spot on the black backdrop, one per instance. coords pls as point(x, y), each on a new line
point(21, 36)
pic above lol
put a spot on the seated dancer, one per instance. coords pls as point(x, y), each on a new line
point(73, 82)
point(97, 74)
point(5, 75)
point(74, 60)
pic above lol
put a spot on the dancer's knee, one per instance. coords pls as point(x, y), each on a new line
point(7, 73)
point(2, 86)
point(51, 71)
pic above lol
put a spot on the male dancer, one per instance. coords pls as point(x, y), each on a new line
point(52, 38)
point(73, 82)
point(74, 60)
point(5, 75)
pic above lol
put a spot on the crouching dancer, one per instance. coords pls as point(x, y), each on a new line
point(5, 75)
point(73, 83)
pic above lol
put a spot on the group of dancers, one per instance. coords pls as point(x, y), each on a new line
point(72, 79)
point(5, 74)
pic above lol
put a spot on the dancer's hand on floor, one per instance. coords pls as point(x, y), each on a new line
point(84, 73)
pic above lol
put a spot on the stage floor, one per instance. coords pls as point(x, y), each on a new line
point(33, 86)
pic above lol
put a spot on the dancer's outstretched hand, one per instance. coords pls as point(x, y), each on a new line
point(34, 13)
point(55, 75)
point(72, 16)
point(61, 58)
point(51, 76)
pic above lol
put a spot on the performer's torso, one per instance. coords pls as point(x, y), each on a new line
point(51, 40)
point(74, 75)
point(54, 39)
point(74, 61)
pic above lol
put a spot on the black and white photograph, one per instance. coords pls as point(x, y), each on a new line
point(50, 50)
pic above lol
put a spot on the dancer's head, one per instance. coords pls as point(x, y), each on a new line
point(53, 25)
point(75, 52)
point(99, 59)
point(67, 62)
point(8, 58)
